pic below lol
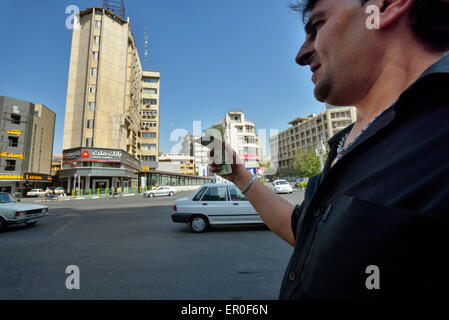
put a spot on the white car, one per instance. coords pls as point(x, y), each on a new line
point(36, 193)
point(160, 191)
point(14, 212)
point(282, 186)
point(214, 204)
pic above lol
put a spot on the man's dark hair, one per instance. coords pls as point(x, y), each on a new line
point(430, 20)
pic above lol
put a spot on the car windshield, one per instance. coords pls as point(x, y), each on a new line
point(6, 198)
point(281, 182)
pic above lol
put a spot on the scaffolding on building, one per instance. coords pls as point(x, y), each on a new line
point(115, 6)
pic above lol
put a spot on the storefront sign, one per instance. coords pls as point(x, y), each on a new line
point(100, 155)
point(15, 132)
point(12, 155)
point(145, 169)
point(11, 177)
point(38, 177)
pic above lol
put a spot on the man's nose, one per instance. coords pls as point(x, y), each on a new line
point(305, 53)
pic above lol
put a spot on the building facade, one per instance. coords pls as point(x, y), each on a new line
point(181, 162)
point(198, 152)
point(240, 133)
point(149, 122)
point(305, 133)
point(112, 103)
point(26, 141)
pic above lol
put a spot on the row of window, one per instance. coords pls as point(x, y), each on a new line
point(149, 90)
point(148, 158)
point(148, 147)
point(151, 113)
point(149, 135)
point(150, 80)
point(340, 114)
point(150, 101)
point(151, 124)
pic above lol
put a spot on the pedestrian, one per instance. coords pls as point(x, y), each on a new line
point(374, 223)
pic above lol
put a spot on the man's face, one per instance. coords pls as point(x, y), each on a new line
point(340, 50)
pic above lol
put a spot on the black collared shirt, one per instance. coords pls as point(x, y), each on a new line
point(384, 206)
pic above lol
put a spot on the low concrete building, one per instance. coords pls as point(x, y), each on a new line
point(26, 142)
point(98, 168)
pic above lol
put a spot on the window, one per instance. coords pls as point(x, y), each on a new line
point(150, 101)
point(215, 194)
point(199, 194)
point(149, 113)
point(97, 24)
point(92, 89)
point(90, 124)
point(95, 55)
point(149, 90)
point(91, 106)
point(10, 165)
point(148, 147)
point(15, 118)
point(148, 158)
point(150, 80)
point(148, 124)
point(89, 143)
point(93, 72)
point(236, 194)
point(150, 135)
point(13, 142)
point(97, 40)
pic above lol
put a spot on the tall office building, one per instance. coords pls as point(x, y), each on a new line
point(26, 145)
point(305, 132)
point(112, 107)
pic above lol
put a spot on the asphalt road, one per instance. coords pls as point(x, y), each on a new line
point(130, 249)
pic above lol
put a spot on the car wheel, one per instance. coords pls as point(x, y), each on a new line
point(30, 224)
point(171, 194)
point(151, 195)
point(3, 224)
point(198, 224)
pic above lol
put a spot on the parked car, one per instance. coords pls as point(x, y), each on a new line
point(160, 191)
point(36, 193)
point(59, 191)
point(14, 212)
point(282, 186)
point(214, 204)
point(300, 180)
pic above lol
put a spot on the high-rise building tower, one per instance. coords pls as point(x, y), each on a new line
point(110, 103)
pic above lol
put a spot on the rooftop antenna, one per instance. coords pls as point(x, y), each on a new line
point(145, 30)
point(115, 6)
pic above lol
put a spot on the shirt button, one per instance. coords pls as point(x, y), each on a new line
point(292, 276)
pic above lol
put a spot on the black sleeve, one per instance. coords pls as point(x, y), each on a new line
point(295, 217)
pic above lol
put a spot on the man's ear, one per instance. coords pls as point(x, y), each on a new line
point(392, 10)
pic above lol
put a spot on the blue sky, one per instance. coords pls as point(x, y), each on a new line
point(214, 56)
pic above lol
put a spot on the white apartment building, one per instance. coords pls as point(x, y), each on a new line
point(241, 135)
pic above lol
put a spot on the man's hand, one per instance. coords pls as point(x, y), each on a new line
point(239, 175)
point(275, 211)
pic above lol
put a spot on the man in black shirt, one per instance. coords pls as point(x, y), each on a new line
point(375, 223)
